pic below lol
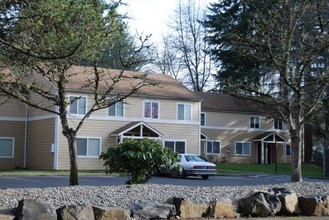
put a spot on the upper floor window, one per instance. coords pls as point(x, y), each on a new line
point(176, 146)
point(287, 150)
point(6, 147)
point(278, 124)
point(88, 147)
point(254, 122)
point(116, 109)
point(184, 112)
point(151, 109)
point(243, 148)
point(78, 105)
point(213, 147)
point(203, 119)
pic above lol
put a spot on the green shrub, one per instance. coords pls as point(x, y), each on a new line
point(139, 158)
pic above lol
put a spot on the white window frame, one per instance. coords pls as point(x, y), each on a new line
point(184, 104)
point(88, 139)
point(275, 123)
point(285, 149)
point(12, 147)
point(77, 101)
point(251, 117)
point(115, 106)
point(204, 121)
point(212, 147)
point(175, 142)
point(243, 154)
point(151, 101)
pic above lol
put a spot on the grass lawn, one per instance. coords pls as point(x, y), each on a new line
point(308, 169)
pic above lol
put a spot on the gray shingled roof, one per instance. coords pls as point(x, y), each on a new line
point(167, 87)
point(226, 103)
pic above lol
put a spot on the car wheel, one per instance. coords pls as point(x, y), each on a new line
point(182, 174)
point(205, 177)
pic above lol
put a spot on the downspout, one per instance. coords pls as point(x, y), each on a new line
point(25, 137)
point(56, 143)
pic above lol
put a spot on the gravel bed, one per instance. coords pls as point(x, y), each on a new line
point(125, 195)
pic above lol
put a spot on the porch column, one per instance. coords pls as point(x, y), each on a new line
point(262, 153)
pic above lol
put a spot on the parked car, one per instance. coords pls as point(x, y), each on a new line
point(195, 165)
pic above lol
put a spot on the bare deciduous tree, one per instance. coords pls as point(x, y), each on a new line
point(42, 40)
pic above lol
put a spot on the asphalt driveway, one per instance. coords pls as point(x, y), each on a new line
point(106, 180)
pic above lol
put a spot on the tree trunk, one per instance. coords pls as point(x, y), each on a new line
point(296, 157)
point(71, 138)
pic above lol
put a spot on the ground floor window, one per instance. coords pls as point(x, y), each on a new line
point(176, 146)
point(213, 147)
point(88, 147)
point(287, 150)
point(243, 148)
point(6, 147)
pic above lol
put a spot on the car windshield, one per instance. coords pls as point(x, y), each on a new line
point(194, 158)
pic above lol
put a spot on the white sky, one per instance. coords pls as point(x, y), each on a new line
point(150, 16)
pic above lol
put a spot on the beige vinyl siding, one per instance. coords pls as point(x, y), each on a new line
point(13, 129)
point(235, 120)
point(41, 136)
point(229, 137)
point(102, 129)
point(11, 108)
point(134, 109)
point(38, 100)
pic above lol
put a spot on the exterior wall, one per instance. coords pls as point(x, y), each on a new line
point(229, 128)
point(13, 129)
point(41, 136)
point(12, 125)
point(99, 125)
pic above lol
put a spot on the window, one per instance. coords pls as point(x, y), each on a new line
point(116, 110)
point(203, 119)
point(287, 150)
point(243, 148)
point(213, 147)
point(278, 124)
point(78, 105)
point(88, 147)
point(254, 122)
point(184, 112)
point(6, 147)
point(176, 146)
point(151, 109)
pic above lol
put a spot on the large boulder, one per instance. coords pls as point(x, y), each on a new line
point(28, 209)
point(113, 213)
point(223, 208)
point(260, 204)
point(187, 209)
point(289, 201)
point(152, 210)
point(314, 205)
point(84, 212)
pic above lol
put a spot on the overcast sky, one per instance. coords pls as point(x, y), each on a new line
point(151, 16)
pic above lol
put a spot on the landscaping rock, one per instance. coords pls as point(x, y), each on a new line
point(191, 210)
point(314, 205)
point(113, 213)
point(152, 210)
point(37, 210)
point(223, 208)
point(289, 201)
point(260, 204)
point(76, 213)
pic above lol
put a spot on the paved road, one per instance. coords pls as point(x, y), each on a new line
point(59, 181)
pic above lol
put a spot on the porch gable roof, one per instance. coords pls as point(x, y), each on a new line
point(133, 125)
point(270, 136)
